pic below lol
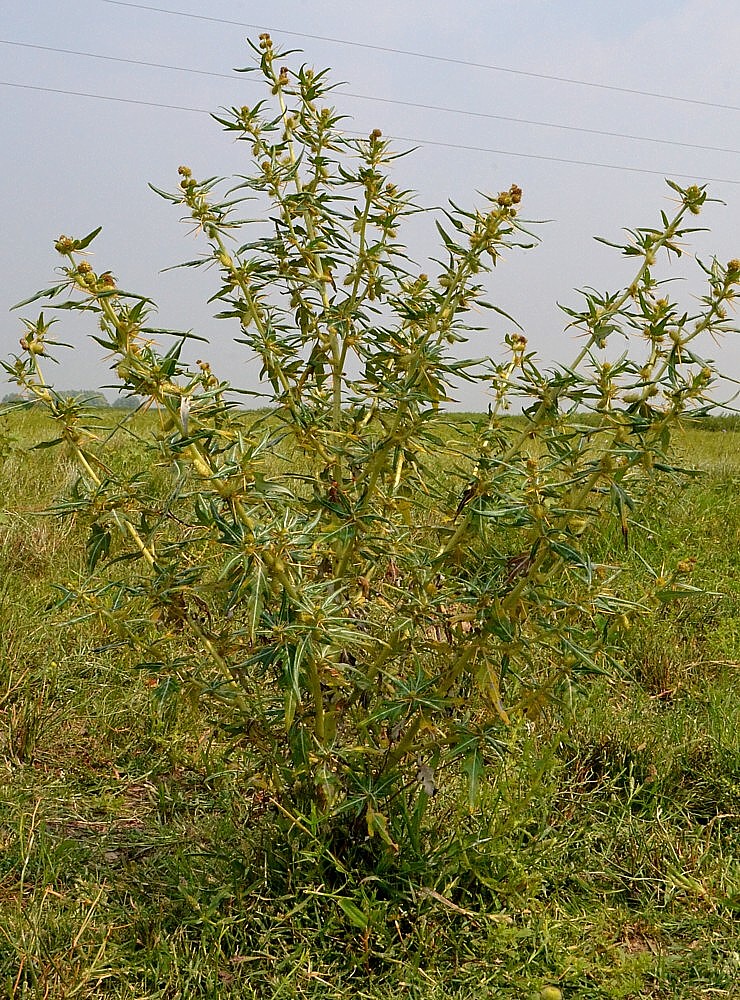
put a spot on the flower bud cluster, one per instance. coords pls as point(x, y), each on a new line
point(694, 198)
point(513, 196)
point(518, 344)
point(486, 233)
point(65, 245)
point(84, 275)
point(208, 378)
point(686, 565)
point(731, 278)
point(188, 182)
point(196, 201)
point(33, 342)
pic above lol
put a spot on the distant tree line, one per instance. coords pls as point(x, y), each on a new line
point(91, 397)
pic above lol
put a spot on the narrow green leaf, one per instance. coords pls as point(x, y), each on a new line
point(355, 915)
point(46, 444)
point(473, 769)
point(85, 242)
point(97, 545)
point(45, 293)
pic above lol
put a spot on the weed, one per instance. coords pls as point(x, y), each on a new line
point(360, 699)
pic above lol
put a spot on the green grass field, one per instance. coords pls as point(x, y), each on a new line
point(603, 859)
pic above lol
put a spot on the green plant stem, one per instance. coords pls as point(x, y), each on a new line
point(542, 410)
point(317, 697)
point(405, 744)
point(336, 353)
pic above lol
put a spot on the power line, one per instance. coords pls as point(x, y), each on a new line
point(397, 138)
point(428, 55)
point(387, 100)
point(557, 159)
point(103, 97)
point(553, 125)
point(119, 59)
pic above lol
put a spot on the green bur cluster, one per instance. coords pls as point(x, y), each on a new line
point(362, 605)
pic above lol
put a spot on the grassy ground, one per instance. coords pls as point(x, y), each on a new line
point(604, 858)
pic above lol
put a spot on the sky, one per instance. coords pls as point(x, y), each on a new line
point(71, 163)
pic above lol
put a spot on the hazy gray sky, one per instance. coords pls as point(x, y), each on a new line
point(70, 163)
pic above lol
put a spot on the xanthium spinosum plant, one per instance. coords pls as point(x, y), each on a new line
point(363, 605)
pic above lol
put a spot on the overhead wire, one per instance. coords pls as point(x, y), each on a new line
point(428, 55)
point(103, 97)
point(397, 138)
point(384, 100)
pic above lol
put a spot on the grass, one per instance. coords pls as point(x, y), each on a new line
point(603, 858)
